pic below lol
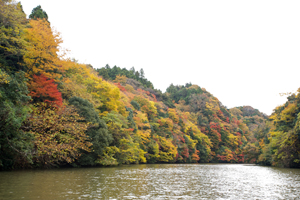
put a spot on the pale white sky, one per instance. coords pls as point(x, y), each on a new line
point(243, 52)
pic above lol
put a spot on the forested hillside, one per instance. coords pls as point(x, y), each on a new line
point(57, 112)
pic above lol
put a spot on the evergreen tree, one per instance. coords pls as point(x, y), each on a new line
point(97, 132)
point(12, 22)
point(15, 144)
point(38, 13)
point(142, 73)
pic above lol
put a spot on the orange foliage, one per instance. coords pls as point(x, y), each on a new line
point(195, 156)
point(120, 87)
point(185, 153)
point(45, 90)
point(153, 95)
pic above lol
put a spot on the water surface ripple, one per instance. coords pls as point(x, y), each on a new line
point(156, 181)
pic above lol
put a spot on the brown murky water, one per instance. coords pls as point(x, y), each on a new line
point(156, 181)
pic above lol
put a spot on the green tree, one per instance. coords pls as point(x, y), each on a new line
point(135, 104)
point(15, 144)
point(38, 13)
point(137, 75)
point(97, 131)
point(12, 43)
point(142, 73)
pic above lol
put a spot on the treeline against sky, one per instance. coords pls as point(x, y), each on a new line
point(57, 112)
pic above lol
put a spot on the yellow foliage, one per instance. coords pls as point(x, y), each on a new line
point(262, 143)
point(59, 134)
point(108, 156)
point(153, 108)
point(182, 107)
point(42, 52)
point(154, 147)
point(140, 118)
point(236, 111)
point(243, 126)
point(146, 105)
point(275, 133)
point(213, 105)
point(287, 114)
point(173, 115)
point(72, 88)
point(193, 117)
point(177, 129)
point(229, 155)
point(233, 140)
point(167, 123)
point(193, 87)
point(130, 152)
point(129, 88)
point(297, 125)
point(192, 143)
point(83, 81)
point(150, 109)
point(120, 79)
point(4, 77)
point(201, 137)
point(168, 151)
point(144, 135)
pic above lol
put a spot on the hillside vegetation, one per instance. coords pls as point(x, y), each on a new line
point(57, 112)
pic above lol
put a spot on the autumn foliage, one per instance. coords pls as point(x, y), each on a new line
point(58, 135)
point(45, 90)
point(41, 54)
point(68, 113)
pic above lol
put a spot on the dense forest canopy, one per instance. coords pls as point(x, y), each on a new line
point(57, 112)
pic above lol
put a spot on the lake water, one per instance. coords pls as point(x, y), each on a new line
point(153, 181)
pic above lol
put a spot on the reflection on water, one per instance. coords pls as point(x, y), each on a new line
point(157, 181)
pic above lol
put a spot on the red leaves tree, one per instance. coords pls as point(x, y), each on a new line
point(120, 87)
point(45, 90)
